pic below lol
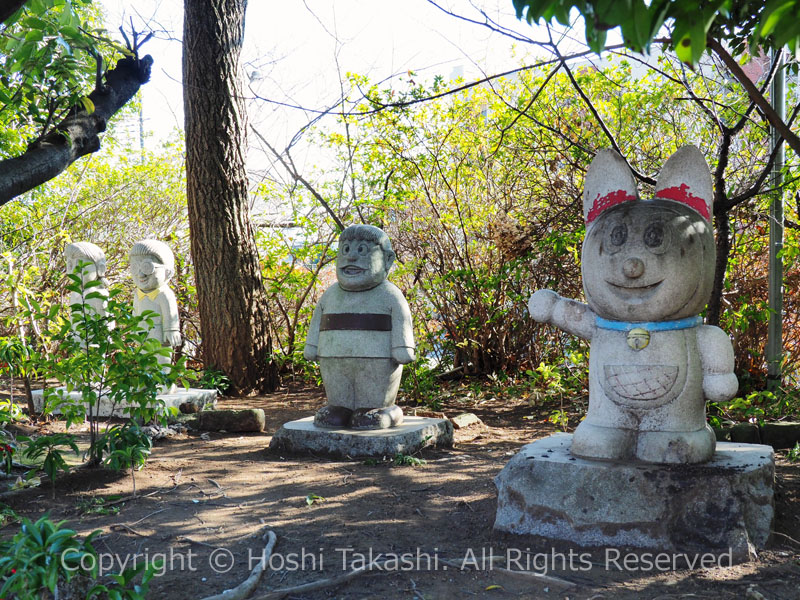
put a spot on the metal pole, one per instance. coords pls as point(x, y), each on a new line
point(774, 348)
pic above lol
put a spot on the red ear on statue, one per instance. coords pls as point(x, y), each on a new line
point(608, 182)
point(686, 178)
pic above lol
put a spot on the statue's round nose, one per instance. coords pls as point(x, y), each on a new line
point(633, 268)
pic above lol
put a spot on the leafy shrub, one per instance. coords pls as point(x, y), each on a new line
point(45, 557)
point(104, 355)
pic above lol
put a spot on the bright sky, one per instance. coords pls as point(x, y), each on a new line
point(295, 49)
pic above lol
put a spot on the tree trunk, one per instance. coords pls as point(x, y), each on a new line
point(230, 291)
point(723, 242)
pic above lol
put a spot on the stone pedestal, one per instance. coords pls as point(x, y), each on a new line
point(105, 408)
point(415, 433)
point(722, 506)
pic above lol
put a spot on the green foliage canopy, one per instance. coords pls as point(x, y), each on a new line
point(741, 23)
point(49, 53)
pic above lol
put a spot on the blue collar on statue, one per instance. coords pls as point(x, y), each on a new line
point(686, 323)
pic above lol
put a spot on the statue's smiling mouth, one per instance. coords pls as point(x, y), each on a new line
point(638, 292)
point(352, 270)
point(642, 288)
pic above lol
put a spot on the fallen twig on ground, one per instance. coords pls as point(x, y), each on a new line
point(791, 539)
point(322, 583)
point(147, 517)
point(549, 579)
point(244, 589)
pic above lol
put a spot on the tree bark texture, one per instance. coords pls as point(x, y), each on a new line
point(723, 242)
point(77, 135)
point(9, 7)
point(230, 292)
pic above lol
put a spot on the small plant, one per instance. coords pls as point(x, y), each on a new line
point(7, 456)
point(93, 505)
point(793, 455)
point(16, 359)
point(124, 587)
point(10, 412)
point(42, 556)
point(314, 499)
point(560, 419)
point(211, 379)
point(7, 515)
point(49, 447)
point(126, 447)
point(420, 383)
point(108, 353)
point(406, 460)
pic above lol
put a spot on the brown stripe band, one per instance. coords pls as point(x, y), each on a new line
point(356, 321)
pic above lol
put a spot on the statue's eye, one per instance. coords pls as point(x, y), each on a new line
point(656, 237)
point(362, 249)
point(618, 235)
point(346, 248)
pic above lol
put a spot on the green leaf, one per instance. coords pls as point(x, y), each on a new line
point(88, 106)
point(773, 13)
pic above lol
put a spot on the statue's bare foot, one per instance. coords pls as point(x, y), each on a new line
point(377, 418)
point(333, 417)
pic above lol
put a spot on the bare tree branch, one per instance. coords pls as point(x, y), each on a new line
point(736, 70)
point(299, 178)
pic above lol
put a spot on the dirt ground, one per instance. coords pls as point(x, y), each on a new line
point(205, 502)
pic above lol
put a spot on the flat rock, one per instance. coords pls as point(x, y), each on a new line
point(415, 433)
point(745, 433)
point(232, 421)
point(105, 408)
point(465, 420)
point(721, 507)
point(780, 435)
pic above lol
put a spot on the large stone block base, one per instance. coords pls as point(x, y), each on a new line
point(723, 506)
point(415, 433)
point(105, 408)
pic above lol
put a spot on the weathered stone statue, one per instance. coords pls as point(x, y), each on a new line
point(152, 265)
point(648, 270)
point(361, 333)
point(87, 252)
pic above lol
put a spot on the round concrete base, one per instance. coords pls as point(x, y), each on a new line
point(413, 434)
point(720, 507)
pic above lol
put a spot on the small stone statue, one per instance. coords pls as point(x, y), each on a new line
point(648, 269)
point(361, 333)
point(152, 264)
point(88, 252)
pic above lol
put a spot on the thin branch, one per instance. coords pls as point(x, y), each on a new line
point(527, 107)
point(736, 70)
point(379, 107)
point(298, 177)
point(590, 105)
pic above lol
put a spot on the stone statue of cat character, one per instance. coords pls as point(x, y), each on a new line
point(648, 269)
point(361, 334)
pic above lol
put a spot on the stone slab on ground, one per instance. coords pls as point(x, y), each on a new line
point(415, 433)
point(198, 397)
point(465, 420)
point(233, 421)
point(723, 506)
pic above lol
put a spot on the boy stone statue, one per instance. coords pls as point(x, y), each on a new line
point(152, 264)
point(361, 334)
point(87, 252)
